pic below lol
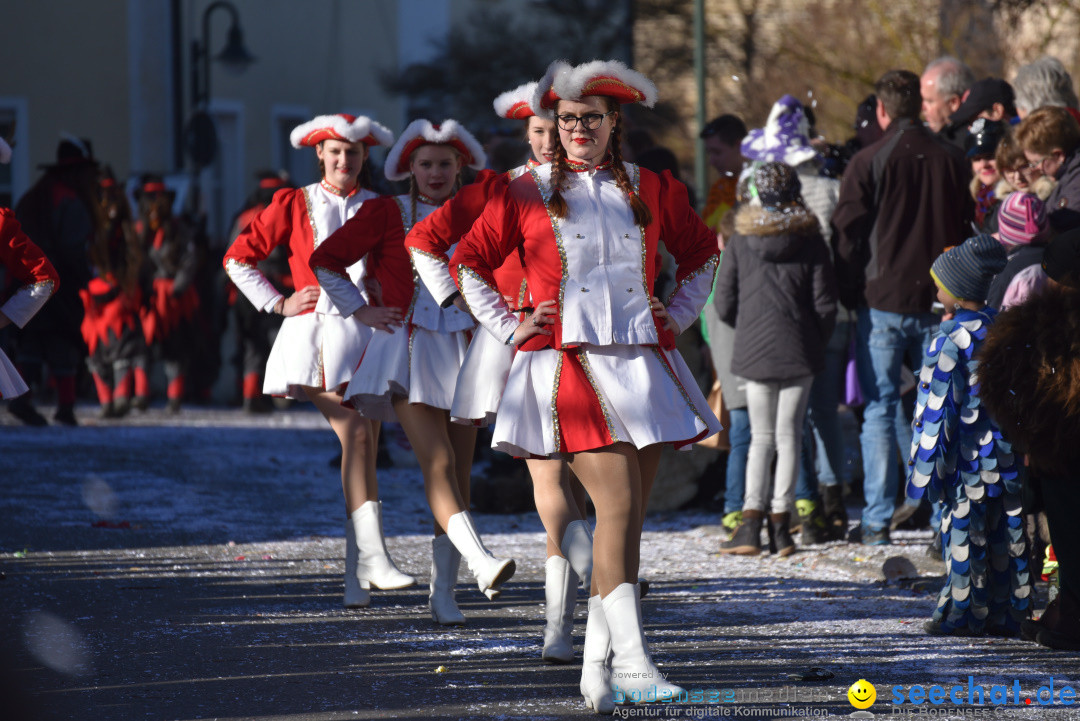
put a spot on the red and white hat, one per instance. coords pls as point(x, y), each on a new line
point(422, 132)
point(349, 128)
point(5, 152)
point(564, 81)
point(517, 104)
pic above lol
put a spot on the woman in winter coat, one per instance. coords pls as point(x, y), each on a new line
point(776, 286)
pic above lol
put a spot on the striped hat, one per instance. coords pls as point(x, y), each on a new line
point(965, 271)
point(1021, 219)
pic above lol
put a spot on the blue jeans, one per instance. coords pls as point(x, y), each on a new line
point(823, 442)
point(735, 479)
point(884, 341)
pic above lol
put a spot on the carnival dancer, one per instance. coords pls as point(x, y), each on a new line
point(598, 381)
point(59, 212)
point(317, 348)
point(28, 265)
point(410, 367)
point(111, 324)
point(256, 330)
point(169, 321)
point(559, 500)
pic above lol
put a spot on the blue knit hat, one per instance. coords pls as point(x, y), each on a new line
point(966, 270)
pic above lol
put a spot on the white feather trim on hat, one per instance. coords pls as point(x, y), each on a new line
point(422, 132)
point(572, 83)
point(5, 152)
point(353, 132)
point(518, 103)
point(543, 87)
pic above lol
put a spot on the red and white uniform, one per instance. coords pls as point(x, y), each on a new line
point(419, 361)
point(39, 280)
point(482, 377)
point(320, 347)
point(608, 373)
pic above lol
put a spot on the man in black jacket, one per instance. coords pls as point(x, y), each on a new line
point(903, 200)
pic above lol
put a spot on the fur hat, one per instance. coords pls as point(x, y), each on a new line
point(72, 152)
point(564, 81)
point(152, 184)
point(348, 128)
point(965, 270)
point(423, 132)
point(1020, 219)
point(785, 137)
point(517, 104)
point(5, 152)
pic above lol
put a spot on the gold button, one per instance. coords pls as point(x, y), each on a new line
point(579, 235)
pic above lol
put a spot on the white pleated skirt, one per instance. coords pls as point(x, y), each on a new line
point(11, 383)
point(481, 380)
point(314, 349)
point(559, 402)
point(419, 364)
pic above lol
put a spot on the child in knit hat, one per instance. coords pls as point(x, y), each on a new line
point(1022, 230)
point(959, 458)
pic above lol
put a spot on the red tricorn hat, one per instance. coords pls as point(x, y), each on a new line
point(422, 132)
point(564, 81)
point(349, 128)
point(517, 104)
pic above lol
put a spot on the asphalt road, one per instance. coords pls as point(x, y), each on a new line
point(190, 568)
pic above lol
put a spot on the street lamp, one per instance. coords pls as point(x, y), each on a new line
point(235, 57)
point(201, 134)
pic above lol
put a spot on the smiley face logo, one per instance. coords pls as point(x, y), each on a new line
point(862, 694)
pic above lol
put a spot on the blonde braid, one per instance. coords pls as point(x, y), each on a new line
point(413, 192)
point(642, 214)
point(556, 203)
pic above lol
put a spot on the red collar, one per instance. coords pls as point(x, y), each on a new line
point(532, 163)
point(576, 166)
point(428, 200)
point(334, 190)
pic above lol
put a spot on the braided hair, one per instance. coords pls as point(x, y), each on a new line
point(557, 204)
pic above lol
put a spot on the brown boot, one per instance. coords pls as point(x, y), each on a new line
point(780, 541)
point(1060, 625)
point(746, 540)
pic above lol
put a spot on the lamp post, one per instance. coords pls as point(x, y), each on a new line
point(235, 57)
point(200, 135)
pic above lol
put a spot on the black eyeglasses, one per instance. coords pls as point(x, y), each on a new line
point(591, 121)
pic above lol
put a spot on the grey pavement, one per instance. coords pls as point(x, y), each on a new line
point(190, 567)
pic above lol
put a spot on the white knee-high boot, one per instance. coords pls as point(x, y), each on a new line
point(560, 596)
point(375, 568)
point(490, 572)
point(634, 677)
point(577, 547)
point(356, 596)
point(595, 683)
point(445, 561)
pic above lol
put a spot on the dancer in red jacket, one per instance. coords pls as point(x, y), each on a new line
point(318, 348)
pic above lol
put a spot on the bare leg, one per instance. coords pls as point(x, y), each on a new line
point(428, 430)
point(554, 498)
point(612, 477)
point(463, 442)
point(648, 463)
point(358, 437)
